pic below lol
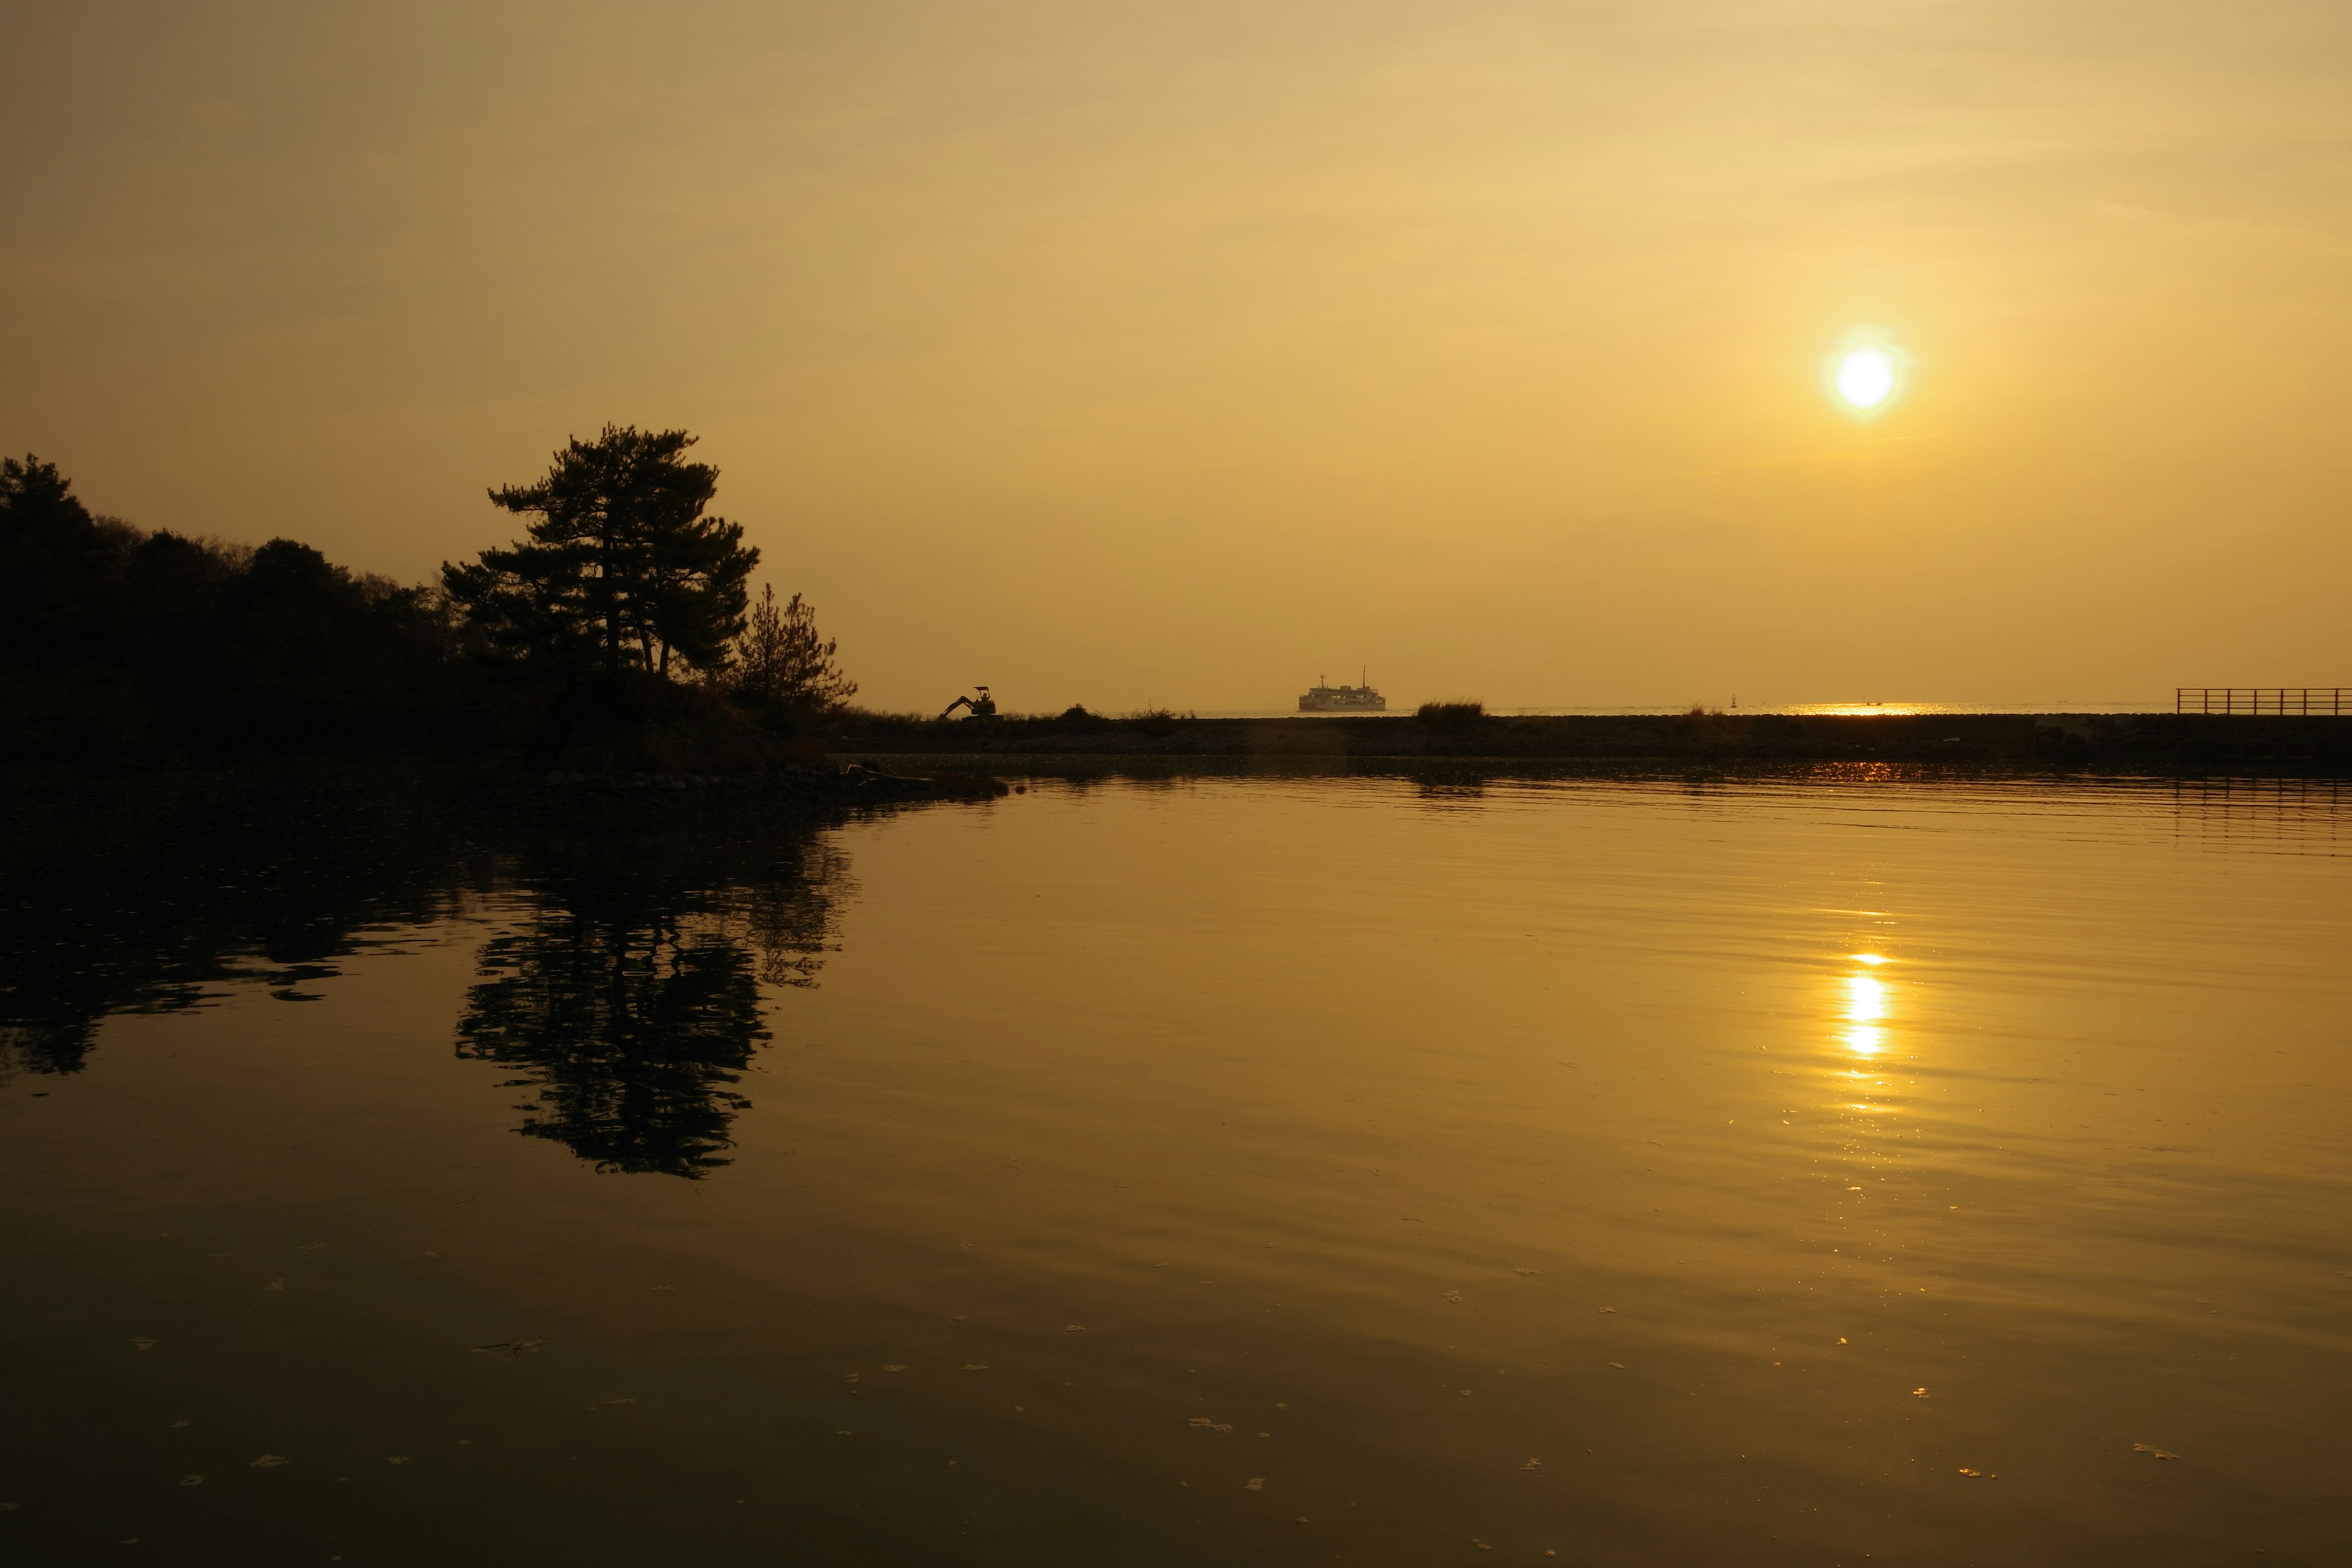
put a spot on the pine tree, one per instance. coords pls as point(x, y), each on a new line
point(621, 570)
point(783, 664)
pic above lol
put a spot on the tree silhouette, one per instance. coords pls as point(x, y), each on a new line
point(621, 569)
point(116, 642)
point(58, 565)
point(783, 665)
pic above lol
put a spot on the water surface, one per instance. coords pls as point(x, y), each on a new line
point(1813, 1170)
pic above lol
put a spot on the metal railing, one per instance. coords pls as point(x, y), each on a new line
point(2300, 701)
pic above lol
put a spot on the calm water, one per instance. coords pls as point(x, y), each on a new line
point(1357, 1171)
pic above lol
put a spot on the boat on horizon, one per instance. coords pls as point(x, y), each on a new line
point(1324, 698)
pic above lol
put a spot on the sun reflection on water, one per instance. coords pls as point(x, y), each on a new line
point(1865, 1004)
point(1864, 1035)
point(1866, 998)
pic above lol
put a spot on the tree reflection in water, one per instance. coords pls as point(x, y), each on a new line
point(165, 893)
point(631, 996)
point(626, 989)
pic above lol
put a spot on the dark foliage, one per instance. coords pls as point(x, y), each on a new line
point(783, 669)
point(123, 646)
point(56, 563)
point(114, 642)
point(637, 723)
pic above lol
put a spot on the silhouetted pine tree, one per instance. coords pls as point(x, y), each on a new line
point(621, 570)
point(782, 664)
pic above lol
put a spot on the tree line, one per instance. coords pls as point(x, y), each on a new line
point(624, 590)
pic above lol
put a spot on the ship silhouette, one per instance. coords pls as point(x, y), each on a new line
point(1324, 698)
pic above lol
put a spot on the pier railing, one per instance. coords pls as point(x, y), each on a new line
point(2326, 702)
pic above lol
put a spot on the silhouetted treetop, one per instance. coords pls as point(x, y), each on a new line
point(621, 569)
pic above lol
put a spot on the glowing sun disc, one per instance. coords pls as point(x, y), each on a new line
point(1865, 377)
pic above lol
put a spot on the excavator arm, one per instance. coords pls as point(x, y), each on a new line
point(982, 706)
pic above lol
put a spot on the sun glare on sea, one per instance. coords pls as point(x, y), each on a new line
point(1865, 1008)
point(1866, 376)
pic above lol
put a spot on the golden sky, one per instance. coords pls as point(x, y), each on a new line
point(1178, 352)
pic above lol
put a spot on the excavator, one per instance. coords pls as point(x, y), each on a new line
point(982, 706)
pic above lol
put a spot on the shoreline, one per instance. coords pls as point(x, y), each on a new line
point(863, 759)
point(2161, 743)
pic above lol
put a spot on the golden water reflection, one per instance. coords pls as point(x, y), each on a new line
point(1865, 1006)
point(1087, 1148)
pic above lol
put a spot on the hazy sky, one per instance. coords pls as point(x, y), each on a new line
point(1178, 352)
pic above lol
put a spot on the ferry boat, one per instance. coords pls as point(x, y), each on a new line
point(1324, 698)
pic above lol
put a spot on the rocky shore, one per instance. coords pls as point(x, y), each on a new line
point(849, 783)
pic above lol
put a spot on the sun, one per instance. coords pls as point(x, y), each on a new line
point(1865, 374)
point(1865, 377)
